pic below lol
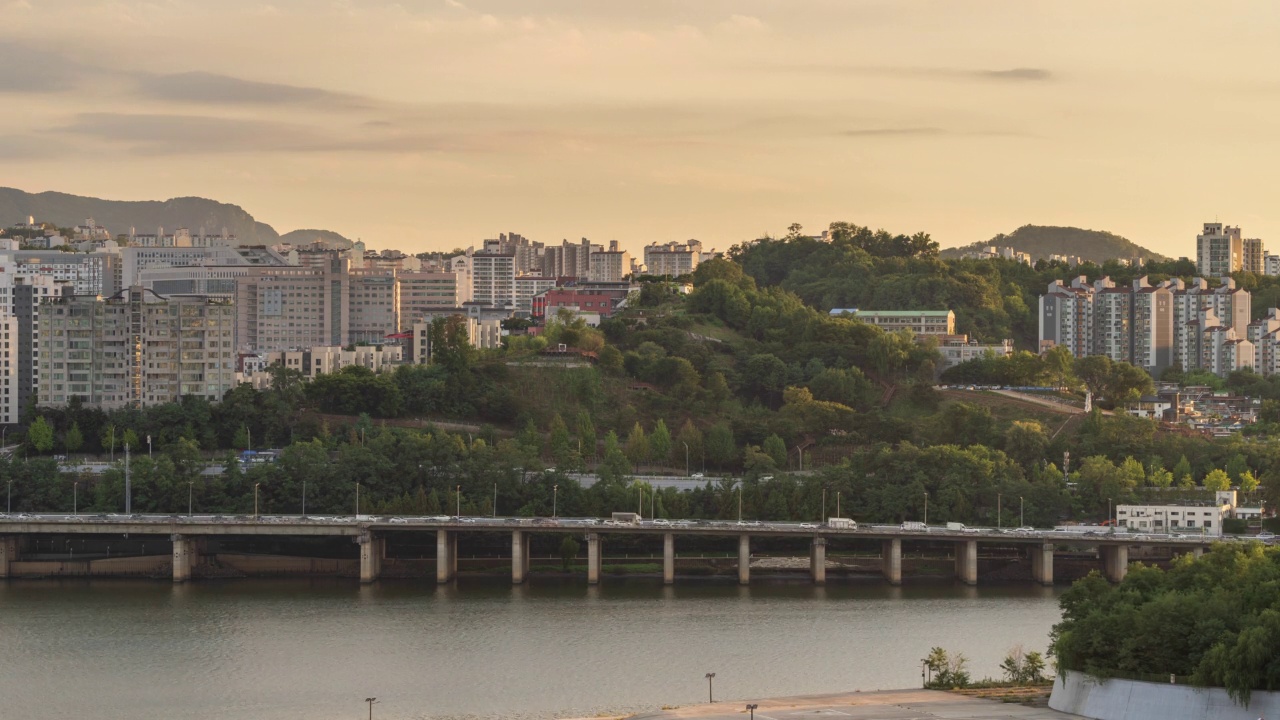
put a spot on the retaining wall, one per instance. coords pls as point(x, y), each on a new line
point(1090, 697)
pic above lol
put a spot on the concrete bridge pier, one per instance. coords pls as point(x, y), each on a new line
point(1042, 564)
point(668, 558)
point(1115, 561)
point(446, 556)
point(744, 559)
point(818, 561)
point(967, 561)
point(186, 555)
point(519, 556)
point(372, 550)
point(1197, 552)
point(8, 553)
point(593, 558)
point(891, 560)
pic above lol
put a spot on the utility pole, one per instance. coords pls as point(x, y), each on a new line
point(128, 483)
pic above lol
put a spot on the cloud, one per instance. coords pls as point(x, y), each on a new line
point(743, 24)
point(1023, 74)
point(32, 69)
point(214, 89)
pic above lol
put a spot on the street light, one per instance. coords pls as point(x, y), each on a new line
point(999, 514)
point(838, 504)
point(555, 496)
point(357, 501)
point(752, 709)
point(1021, 520)
point(458, 505)
point(686, 457)
point(710, 696)
point(255, 500)
point(75, 498)
point(304, 498)
point(371, 701)
point(926, 508)
point(149, 446)
point(8, 507)
point(191, 487)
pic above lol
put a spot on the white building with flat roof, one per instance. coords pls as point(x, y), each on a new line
point(1202, 519)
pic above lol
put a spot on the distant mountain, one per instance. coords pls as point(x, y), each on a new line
point(1041, 241)
point(118, 216)
point(306, 237)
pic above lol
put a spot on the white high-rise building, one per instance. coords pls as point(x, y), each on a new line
point(1219, 250)
point(493, 279)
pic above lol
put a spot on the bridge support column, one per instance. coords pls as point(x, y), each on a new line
point(446, 556)
point(186, 555)
point(818, 561)
point(744, 559)
point(1115, 561)
point(1042, 564)
point(1197, 552)
point(8, 554)
point(519, 556)
point(593, 559)
point(891, 560)
point(668, 558)
point(967, 561)
point(372, 550)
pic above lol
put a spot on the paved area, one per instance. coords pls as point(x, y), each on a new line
point(881, 705)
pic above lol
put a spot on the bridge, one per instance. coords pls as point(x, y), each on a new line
point(188, 536)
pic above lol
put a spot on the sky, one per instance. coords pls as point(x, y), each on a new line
point(433, 124)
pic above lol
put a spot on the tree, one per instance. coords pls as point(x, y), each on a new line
point(1182, 468)
point(241, 440)
point(1026, 441)
point(586, 433)
point(110, 437)
point(1094, 371)
point(1248, 483)
point(561, 449)
point(660, 442)
point(74, 439)
point(1236, 467)
point(1217, 480)
point(40, 435)
point(130, 439)
point(637, 447)
point(776, 449)
point(1058, 361)
point(689, 439)
point(568, 551)
point(722, 449)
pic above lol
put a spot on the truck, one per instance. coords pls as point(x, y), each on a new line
point(959, 527)
point(626, 518)
point(841, 524)
point(915, 525)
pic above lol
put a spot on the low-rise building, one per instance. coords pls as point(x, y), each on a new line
point(917, 322)
point(1205, 519)
point(959, 348)
point(256, 370)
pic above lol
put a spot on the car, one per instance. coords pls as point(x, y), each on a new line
point(750, 523)
point(766, 478)
point(698, 476)
point(663, 523)
point(971, 530)
point(1025, 529)
point(809, 526)
point(398, 520)
point(1266, 535)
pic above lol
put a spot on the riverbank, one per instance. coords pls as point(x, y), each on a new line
point(915, 704)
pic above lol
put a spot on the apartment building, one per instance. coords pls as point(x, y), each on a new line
point(20, 297)
point(374, 305)
point(136, 260)
point(1252, 257)
point(921, 323)
point(1265, 336)
point(289, 308)
point(1151, 327)
point(421, 292)
point(526, 254)
point(97, 273)
point(463, 268)
point(612, 265)
point(182, 237)
point(135, 348)
point(568, 260)
point(672, 259)
point(1066, 316)
point(1219, 250)
point(493, 279)
point(255, 369)
point(10, 407)
point(527, 288)
point(484, 333)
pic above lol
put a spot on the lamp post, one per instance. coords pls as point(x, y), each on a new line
point(149, 446)
point(710, 696)
point(191, 488)
point(823, 518)
point(8, 505)
point(1021, 519)
point(926, 508)
point(371, 701)
point(458, 502)
point(555, 496)
point(357, 501)
point(739, 504)
point(304, 498)
point(686, 457)
point(999, 516)
point(838, 504)
point(75, 498)
point(255, 500)
point(752, 709)
point(495, 501)
point(1109, 516)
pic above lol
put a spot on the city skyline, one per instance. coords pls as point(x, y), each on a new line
point(430, 125)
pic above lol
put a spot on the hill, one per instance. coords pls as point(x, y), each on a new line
point(328, 237)
point(1041, 241)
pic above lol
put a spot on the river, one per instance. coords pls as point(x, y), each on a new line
point(314, 649)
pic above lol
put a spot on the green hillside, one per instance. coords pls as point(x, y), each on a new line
point(1041, 241)
point(305, 237)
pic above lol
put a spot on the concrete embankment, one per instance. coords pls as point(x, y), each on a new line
point(1091, 697)
point(914, 704)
